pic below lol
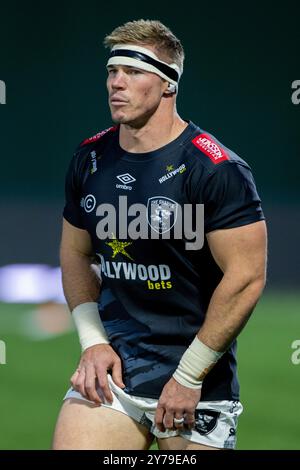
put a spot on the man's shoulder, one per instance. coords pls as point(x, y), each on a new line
point(90, 147)
point(210, 153)
point(104, 134)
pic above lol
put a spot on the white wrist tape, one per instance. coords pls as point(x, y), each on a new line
point(89, 326)
point(195, 363)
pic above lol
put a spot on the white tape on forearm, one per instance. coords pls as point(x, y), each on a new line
point(89, 326)
point(195, 363)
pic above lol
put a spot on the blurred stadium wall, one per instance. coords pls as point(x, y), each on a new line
point(241, 65)
point(241, 83)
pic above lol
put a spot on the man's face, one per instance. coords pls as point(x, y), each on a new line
point(134, 94)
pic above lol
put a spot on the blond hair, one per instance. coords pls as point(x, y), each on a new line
point(149, 33)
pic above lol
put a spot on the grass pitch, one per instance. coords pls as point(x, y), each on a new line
point(36, 376)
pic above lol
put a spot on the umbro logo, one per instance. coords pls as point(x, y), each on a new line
point(125, 179)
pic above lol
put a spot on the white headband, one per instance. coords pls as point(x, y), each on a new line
point(144, 59)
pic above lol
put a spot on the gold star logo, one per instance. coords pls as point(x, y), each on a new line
point(169, 168)
point(119, 247)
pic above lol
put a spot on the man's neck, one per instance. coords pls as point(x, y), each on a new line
point(153, 135)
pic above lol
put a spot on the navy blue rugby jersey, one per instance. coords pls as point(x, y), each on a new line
point(155, 292)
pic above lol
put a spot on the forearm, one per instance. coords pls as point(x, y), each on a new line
point(229, 310)
point(230, 307)
point(80, 282)
point(241, 255)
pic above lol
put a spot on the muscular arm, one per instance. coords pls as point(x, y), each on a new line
point(80, 283)
point(241, 254)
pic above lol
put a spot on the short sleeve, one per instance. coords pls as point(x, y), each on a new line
point(72, 212)
point(230, 198)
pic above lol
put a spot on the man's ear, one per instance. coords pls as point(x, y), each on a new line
point(171, 89)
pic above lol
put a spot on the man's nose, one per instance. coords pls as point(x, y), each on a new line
point(119, 80)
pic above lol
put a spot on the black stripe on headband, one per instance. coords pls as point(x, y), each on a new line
point(165, 69)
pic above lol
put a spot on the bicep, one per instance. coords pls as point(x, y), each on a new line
point(240, 250)
point(75, 241)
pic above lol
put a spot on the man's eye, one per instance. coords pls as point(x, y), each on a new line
point(111, 71)
point(134, 72)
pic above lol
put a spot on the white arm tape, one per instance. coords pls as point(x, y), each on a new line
point(195, 363)
point(89, 326)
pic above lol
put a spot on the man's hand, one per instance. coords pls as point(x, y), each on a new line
point(93, 366)
point(176, 401)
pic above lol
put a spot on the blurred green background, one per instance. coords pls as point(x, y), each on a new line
point(37, 374)
point(241, 61)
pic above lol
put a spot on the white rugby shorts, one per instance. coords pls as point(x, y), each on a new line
point(215, 421)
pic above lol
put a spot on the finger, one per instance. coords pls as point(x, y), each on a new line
point(169, 419)
point(76, 374)
point(79, 383)
point(178, 425)
point(90, 386)
point(103, 384)
point(117, 374)
point(74, 377)
point(159, 418)
point(189, 420)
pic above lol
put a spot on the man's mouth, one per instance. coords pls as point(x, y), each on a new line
point(117, 101)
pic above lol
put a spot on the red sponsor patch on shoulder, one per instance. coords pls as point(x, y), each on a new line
point(98, 136)
point(207, 145)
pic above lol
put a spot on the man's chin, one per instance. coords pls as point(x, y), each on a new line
point(126, 120)
point(120, 119)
